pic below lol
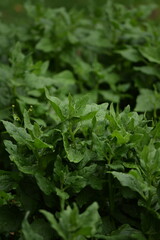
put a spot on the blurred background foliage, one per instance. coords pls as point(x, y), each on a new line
point(13, 10)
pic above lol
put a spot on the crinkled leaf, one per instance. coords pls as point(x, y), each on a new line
point(18, 133)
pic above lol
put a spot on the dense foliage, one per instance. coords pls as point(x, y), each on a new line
point(80, 130)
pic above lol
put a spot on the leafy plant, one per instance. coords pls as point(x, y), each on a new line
point(77, 161)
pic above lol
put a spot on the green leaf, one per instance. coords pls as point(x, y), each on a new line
point(88, 116)
point(5, 198)
point(73, 154)
point(89, 220)
point(45, 45)
point(23, 163)
point(18, 133)
point(17, 55)
point(149, 159)
point(44, 184)
point(40, 144)
point(109, 95)
point(130, 54)
point(65, 81)
point(148, 100)
point(148, 70)
point(37, 132)
point(122, 138)
point(71, 106)
point(41, 227)
point(81, 103)
point(151, 53)
point(90, 175)
point(56, 103)
point(27, 123)
point(29, 100)
point(63, 195)
point(76, 182)
point(37, 82)
point(54, 223)
point(28, 232)
point(6, 182)
point(128, 180)
point(124, 232)
point(73, 225)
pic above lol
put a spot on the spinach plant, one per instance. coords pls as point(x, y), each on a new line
point(79, 158)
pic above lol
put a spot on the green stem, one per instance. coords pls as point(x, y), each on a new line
point(72, 134)
point(62, 203)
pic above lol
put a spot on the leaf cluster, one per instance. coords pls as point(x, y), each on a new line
point(77, 162)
